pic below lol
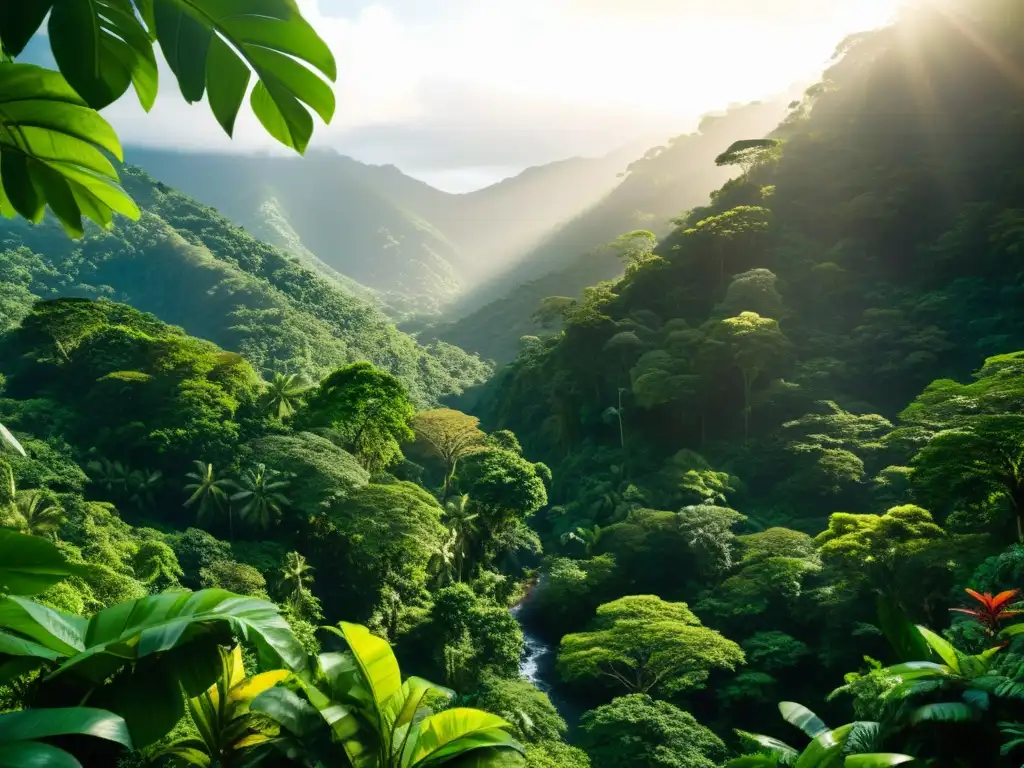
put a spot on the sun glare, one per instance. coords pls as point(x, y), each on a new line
point(676, 63)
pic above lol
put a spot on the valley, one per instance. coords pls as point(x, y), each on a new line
point(706, 454)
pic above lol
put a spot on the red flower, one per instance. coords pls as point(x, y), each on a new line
point(993, 609)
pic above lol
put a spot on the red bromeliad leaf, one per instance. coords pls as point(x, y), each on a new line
point(969, 612)
point(993, 611)
point(1004, 597)
point(985, 599)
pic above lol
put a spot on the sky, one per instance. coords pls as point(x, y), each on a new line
point(462, 93)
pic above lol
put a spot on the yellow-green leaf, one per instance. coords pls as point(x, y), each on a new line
point(456, 731)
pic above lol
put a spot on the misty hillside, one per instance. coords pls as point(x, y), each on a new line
point(664, 183)
point(188, 265)
point(379, 231)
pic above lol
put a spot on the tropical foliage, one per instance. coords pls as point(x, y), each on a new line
point(755, 467)
point(54, 139)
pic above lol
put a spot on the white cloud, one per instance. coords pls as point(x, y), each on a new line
point(508, 83)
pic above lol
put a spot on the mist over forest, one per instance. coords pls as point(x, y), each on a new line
point(699, 451)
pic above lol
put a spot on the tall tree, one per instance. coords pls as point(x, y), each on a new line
point(748, 153)
point(448, 435)
point(461, 521)
point(642, 644)
point(730, 232)
point(367, 408)
point(296, 578)
point(634, 249)
point(640, 732)
point(752, 344)
point(976, 446)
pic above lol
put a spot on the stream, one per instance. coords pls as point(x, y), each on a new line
point(538, 663)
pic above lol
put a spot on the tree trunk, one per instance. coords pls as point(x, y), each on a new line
point(747, 384)
point(1017, 503)
point(449, 470)
point(622, 431)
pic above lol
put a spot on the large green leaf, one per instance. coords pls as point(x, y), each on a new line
point(60, 632)
point(878, 760)
point(289, 710)
point(101, 48)
point(402, 708)
point(377, 664)
point(18, 731)
point(19, 21)
point(211, 44)
point(490, 757)
point(30, 565)
point(777, 747)
point(35, 754)
point(753, 761)
point(139, 628)
point(945, 712)
point(942, 647)
point(31, 724)
point(167, 642)
point(11, 645)
point(52, 152)
point(913, 670)
point(1013, 630)
point(800, 716)
point(456, 731)
point(902, 634)
point(823, 748)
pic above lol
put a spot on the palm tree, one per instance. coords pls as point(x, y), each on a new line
point(143, 483)
point(210, 492)
point(110, 475)
point(260, 494)
point(36, 513)
point(284, 393)
point(586, 538)
point(296, 575)
point(461, 521)
point(442, 562)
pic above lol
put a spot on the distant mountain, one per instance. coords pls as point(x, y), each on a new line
point(379, 232)
point(664, 183)
point(191, 267)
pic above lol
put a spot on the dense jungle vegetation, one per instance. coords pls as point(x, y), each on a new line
point(768, 480)
point(655, 188)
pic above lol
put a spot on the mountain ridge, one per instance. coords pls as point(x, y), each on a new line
point(409, 246)
point(659, 185)
point(191, 267)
